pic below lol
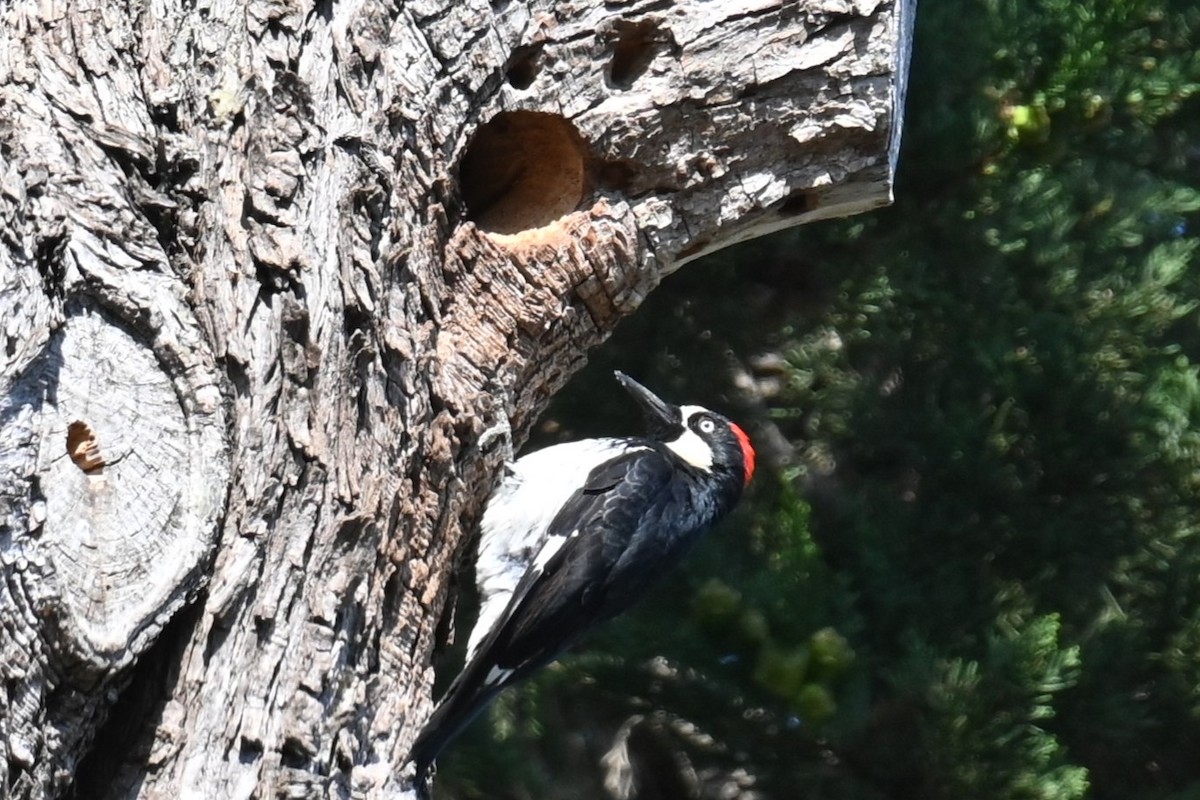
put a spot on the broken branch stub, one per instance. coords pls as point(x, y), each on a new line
point(113, 474)
point(124, 484)
point(711, 123)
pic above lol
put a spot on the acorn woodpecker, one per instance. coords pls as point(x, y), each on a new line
point(574, 534)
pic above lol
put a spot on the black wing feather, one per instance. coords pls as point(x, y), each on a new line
point(587, 581)
point(600, 523)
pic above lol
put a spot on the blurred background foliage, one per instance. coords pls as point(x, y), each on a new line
point(970, 564)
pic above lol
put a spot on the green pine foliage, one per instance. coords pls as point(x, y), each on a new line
point(976, 574)
point(983, 732)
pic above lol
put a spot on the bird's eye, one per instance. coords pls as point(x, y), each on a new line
point(707, 426)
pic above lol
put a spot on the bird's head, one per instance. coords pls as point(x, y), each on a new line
point(702, 438)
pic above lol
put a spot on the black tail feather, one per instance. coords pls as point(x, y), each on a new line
point(463, 701)
point(448, 720)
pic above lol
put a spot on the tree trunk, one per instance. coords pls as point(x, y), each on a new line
point(276, 282)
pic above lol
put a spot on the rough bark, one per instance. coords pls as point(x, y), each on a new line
point(276, 282)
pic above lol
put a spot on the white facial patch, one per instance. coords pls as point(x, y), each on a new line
point(689, 446)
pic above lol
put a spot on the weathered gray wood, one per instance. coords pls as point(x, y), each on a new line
point(129, 495)
point(270, 271)
point(113, 490)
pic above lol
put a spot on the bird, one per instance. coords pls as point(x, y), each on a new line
point(574, 534)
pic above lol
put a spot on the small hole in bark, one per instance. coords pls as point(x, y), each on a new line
point(523, 169)
point(634, 49)
point(250, 751)
point(616, 175)
point(523, 66)
point(83, 447)
point(798, 202)
point(294, 754)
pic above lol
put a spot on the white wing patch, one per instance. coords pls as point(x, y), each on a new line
point(496, 675)
point(549, 549)
point(689, 446)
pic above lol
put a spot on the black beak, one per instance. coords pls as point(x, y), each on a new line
point(662, 419)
